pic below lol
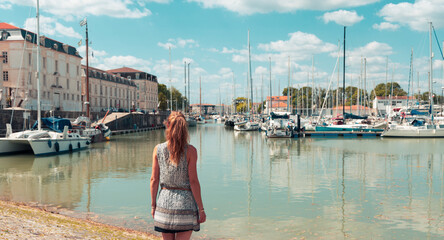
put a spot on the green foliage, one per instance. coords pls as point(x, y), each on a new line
point(164, 98)
point(383, 89)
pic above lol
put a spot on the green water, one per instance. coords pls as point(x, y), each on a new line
point(253, 187)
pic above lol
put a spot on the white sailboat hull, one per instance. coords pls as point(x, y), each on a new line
point(50, 146)
point(414, 132)
point(8, 146)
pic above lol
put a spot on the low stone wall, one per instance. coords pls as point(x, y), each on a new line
point(22, 120)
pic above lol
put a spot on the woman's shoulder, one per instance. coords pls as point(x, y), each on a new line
point(191, 149)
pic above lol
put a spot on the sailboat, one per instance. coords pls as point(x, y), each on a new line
point(417, 128)
point(248, 124)
point(40, 141)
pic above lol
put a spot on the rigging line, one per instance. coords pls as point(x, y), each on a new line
point(329, 85)
point(437, 41)
point(20, 70)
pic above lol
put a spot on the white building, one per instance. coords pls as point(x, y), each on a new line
point(60, 81)
point(279, 104)
point(382, 105)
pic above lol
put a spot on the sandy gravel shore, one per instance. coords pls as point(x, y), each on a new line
point(18, 221)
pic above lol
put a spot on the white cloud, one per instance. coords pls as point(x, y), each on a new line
point(80, 8)
point(415, 15)
point(91, 52)
point(50, 26)
point(301, 44)
point(127, 61)
point(5, 6)
point(247, 7)
point(386, 26)
point(226, 50)
point(342, 17)
point(179, 42)
point(167, 45)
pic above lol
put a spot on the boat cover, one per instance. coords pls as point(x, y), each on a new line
point(55, 124)
point(352, 116)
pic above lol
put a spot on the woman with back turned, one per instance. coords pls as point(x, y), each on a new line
point(178, 211)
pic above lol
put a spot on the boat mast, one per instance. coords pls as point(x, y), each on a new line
point(39, 122)
point(365, 86)
point(288, 89)
point(271, 93)
point(189, 97)
point(312, 85)
point(200, 96)
point(234, 95)
point(185, 85)
point(87, 74)
point(171, 89)
point(343, 79)
point(431, 75)
point(249, 74)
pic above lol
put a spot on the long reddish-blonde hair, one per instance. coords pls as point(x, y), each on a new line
point(176, 135)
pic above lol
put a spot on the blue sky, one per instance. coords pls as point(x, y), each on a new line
point(212, 35)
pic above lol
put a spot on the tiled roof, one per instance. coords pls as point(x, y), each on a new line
point(4, 25)
point(277, 98)
point(124, 70)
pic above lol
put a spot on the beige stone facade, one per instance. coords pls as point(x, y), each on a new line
point(108, 91)
point(63, 78)
point(60, 72)
point(146, 97)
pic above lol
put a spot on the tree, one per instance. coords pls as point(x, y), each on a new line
point(164, 98)
point(383, 89)
point(241, 104)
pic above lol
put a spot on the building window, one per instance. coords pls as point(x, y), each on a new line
point(137, 75)
point(57, 81)
point(44, 80)
point(29, 78)
point(64, 96)
point(29, 59)
point(78, 86)
point(56, 65)
point(72, 97)
point(5, 57)
point(44, 62)
point(77, 70)
point(78, 98)
point(44, 94)
point(5, 76)
point(67, 67)
point(95, 89)
point(67, 83)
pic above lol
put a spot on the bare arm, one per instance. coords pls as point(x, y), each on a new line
point(154, 183)
point(194, 181)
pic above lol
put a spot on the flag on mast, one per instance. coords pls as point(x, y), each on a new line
point(83, 22)
point(80, 43)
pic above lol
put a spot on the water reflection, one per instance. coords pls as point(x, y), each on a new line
point(253, 187)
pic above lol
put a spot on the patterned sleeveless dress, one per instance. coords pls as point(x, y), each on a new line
point(176, 210)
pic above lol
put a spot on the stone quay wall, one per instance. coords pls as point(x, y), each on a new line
point(22, 120)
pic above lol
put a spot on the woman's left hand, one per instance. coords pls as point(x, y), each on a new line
point(153, 210)
point(202, 217)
